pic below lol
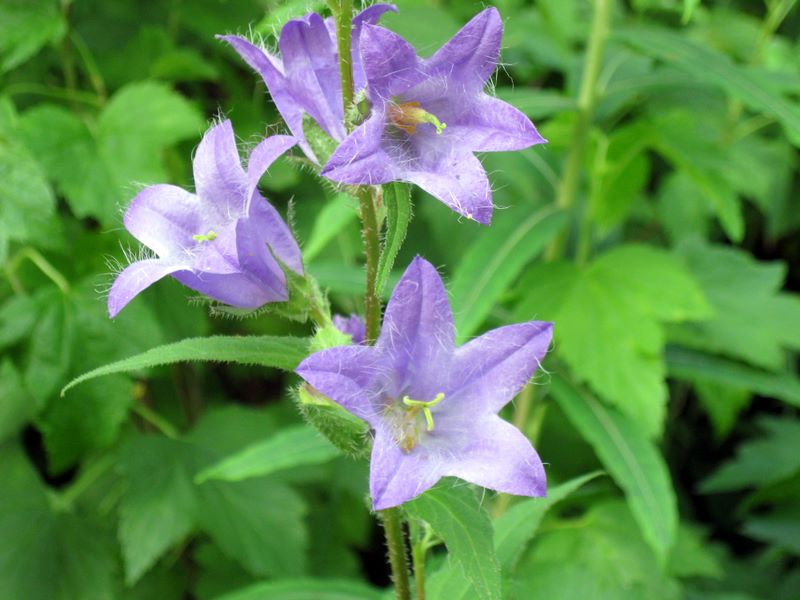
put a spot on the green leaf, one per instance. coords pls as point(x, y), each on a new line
point(618, 304)
point(16, 405)
point(746, 84)
point(266, 351)
point(321, 144)
point(336, 214)
point(275, 19)
point(50, 350)
point(18, 316)
point(458, 518)
point(631, 459)
point(292, 447)
point(305, 589)
point(693, 555)
point(397, 198)
point(26, 26)
point(495, 260)
point(754, 320)
point(780, 527)
point(515, 529)
point(536, 103)
point(760, 462)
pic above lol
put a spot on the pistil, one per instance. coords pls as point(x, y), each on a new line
point(407, 115)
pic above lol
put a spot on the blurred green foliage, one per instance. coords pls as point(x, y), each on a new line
point(674, 367)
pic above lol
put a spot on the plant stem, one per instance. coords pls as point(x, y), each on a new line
point(587, 98)
point(344, 30)
point(395, 543)
point(372, 249)
point(156, 420)
point(42, 264)
point(88, 476)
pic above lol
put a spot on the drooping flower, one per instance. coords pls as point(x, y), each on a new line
point(305, 78)
point(221, 241)
point(433, 407)
point(353, 326)
point(430, 115)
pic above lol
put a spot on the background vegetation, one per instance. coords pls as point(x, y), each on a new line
point(668, 269)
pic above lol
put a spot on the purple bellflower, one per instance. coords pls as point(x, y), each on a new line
point(305, 79)
point(430, 115)
point(433, 407)
point(221, 241)
point(354, 326)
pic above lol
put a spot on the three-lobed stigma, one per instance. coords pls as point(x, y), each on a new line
point(208, 237)
point(407, 424)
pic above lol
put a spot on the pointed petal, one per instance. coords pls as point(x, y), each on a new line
point(390, 63)
point(164, 218)
point(352, 376)
point(490, 370)
point(458, 180)
point(471, 55)
point(396, 477)
point(361, 159)
point(236, 289)
point(353, 326)
point(417, 334)
point(369, 16)
point(262, 157)
point(497, 456)
point(135, 278)
point(311, 66)
point(266, 228)
point(220, 181)
point(491, 125)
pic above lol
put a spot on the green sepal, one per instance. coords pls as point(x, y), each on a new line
point(348, 433)
point(328, 336)
point(397, 202)
point(322, 145)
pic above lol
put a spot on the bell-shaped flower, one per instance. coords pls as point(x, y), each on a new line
point(433, 407)
point(305, 78)
point(430, 115)
point(223, 240)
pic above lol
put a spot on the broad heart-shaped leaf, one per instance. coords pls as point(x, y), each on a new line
point(47, 554)
point(335, 215)
point(26, 26)
point(762, 461)
point(397, 199)
point(748, 85)
point(753, 321)
point(495, 260)
point(631, 459)
point(263, 350)
point(609, 318)
point(302, 589)
point(455, 514)
point(292, 447)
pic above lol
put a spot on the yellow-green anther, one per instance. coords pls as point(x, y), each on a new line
point(426, 406)
point(208, 237)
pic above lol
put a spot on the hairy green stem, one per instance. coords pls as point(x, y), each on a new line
point(396, 545)
point(344, 30)
point(587, 98)
point(372, 249)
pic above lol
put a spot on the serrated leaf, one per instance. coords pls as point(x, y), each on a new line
point(336, 214)
point(495, 260)
point(305, 589)
point(266, 351)
point(457, 517)
point(631, 459)
point(397, 199)
point(514, 530)
point(292, 447)
point(780, 527)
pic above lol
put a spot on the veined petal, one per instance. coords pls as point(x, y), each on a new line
point(396, 477)
point(390, 63)
point(497, 456)
point(164, 218)
point(457, 179)
point(369, 16)
point(262, 157)
point(352, 376)
point(418, 336)
point(491, 125)
point(269, 229)
point(471, 54)
point(491, 369)
point(238, 289)
point(135, 278)
point(361, 158)
point(219, 179)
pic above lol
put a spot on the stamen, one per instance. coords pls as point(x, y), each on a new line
point(407, 115)
point(209, 237)
point(426, 406)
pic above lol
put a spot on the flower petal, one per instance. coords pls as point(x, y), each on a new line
point(135, 278)
point(458, 180)
point(237, 289)
point(368, 16)
point(491, 125)
point(262, 157)
point(352, 376)
point(390, 63)
point(417, 336)
point(396, 477)
point(361, 159)
point(353, 326)
point(490, 370)
point(500, 458)
point(471, 55)
point(164, 218)
point(269, 229)
point(220, 181)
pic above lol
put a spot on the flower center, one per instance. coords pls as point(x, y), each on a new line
point(208, 237)
point(407, 115)
point(408, 425)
